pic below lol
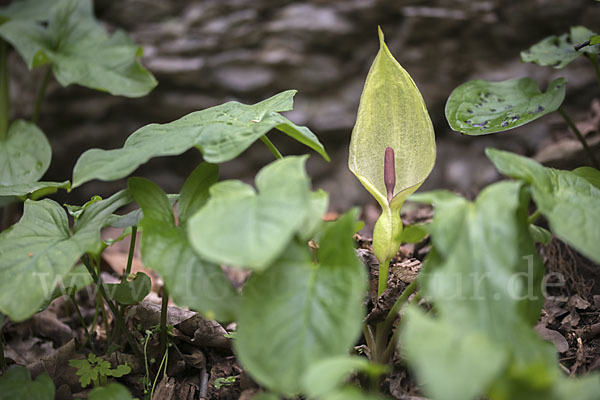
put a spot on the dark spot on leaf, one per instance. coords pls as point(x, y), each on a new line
point(538, 110)
point(467, 121)
point(487, 94)
point(569, 39)
point(508, 107)
point(482, 125)
point(515, 118)
point(504, 124)
point(500, 100)
point(470, 111)
point(492, 109)
point(556, 41)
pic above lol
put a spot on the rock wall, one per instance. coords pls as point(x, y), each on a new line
point(207, 52)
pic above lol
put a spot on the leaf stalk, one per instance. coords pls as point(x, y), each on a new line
point(4, 91)
point(271, 147)
point(40, 95)
point(579, 136)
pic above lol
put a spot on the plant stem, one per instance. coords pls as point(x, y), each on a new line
point(4, 91)
point(112, 307)
point(271, 146)
point(573, 127)
point(383, 276)
point(368, 334)
point(130, 255)
point(40, 95)
point(2, 360)
point(534, 217)
point(163, 320)
point(82, 321)
point(384, 328)
point(594, 59)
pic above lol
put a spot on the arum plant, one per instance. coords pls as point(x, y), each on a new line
point(392, 150)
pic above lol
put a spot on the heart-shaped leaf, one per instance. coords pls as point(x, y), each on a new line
point(16, 383)
point(79, 49)
point(39, 249)
point(240, 227)
point(24, 154)
point(130, 291)
point(69, 284)
point(35, 189)
point(191, 281)
point(221, 133)
point(566, 199)
point(558, 51)
point(392, 150)
point(481, 107)
point(309, 311)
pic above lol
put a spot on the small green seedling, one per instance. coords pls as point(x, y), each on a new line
point(392, 150)
point(96, 370)
point(220, 382)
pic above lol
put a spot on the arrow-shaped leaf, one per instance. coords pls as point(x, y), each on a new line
point(79, 49)
point(243, 228)
point(221, 133)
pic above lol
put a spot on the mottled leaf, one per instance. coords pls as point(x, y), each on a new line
point(481, 107)
point(558, 51)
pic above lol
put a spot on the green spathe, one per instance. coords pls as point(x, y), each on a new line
point(308, 310)
point(391, 114)
point(242, 227)
point(79, 48)
point(569, 200)
point(24, 155)
point(221, 133)
point(480, 107)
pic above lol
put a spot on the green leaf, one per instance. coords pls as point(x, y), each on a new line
point(119, 371)
point(329, 374)
point(191, 281)
point(242, 228)
point(558, 51)
point(595, 39)
point(592, 175)
point(112, 391)
point(487, 299)
point(540, 235)
point(75, 280)
point(194, 192)
point(480, 107)
point(414, 233)
point(33, 10)
point(24, 155)
point(309, 311)
point(17, 384)
point(568, 201)
point(221, 133)
point(391, 114)
point(80, 50)
point(351, 393)
point(130, 291)
point(452, 364)
point(319, 201)
point(40, 249)
point(133, 218)
point(35, 189)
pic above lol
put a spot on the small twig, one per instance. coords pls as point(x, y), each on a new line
point(163, 321)
point(369, 338)
point(579, 136)
point(204, 383)
point(130, 255)
point(580, 46)
point(82, 321)
point(113, 309)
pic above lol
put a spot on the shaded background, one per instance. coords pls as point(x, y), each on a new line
point(206, 52)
